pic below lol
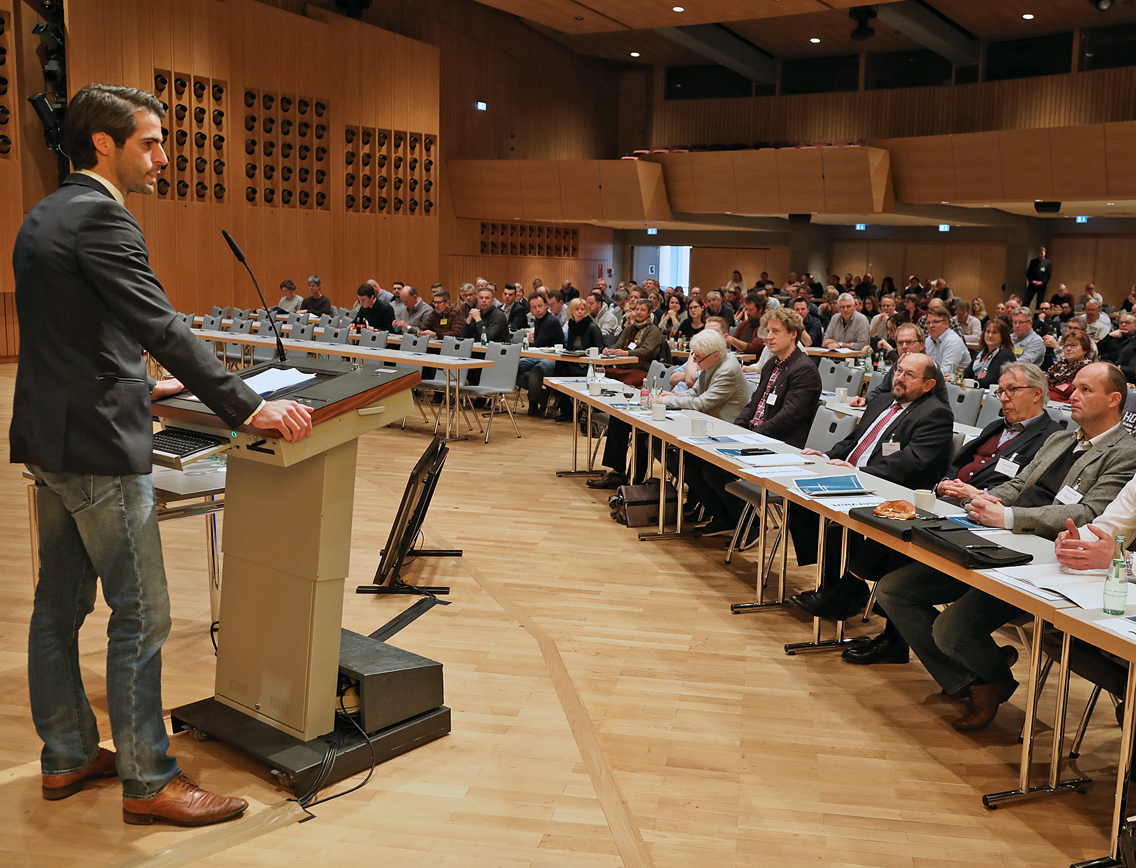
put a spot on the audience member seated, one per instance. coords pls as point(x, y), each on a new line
point(747, 337)
point(516, 307)
point(1075, 475)
point(904, 437)
point(909, 340)
point(583, 334)
point(695, 319)
point(1111, 347)
point(993, 457)
point(848, 330)
point(1075, 348)
point(782, 407)
point(1097, 324)
point(715, 306)
point(558, 308)
point(877, 328)
point(1062, 296)
point(411, 312)
point(1089, 295)
point(641, 339)
point(943, 345)
point(486, 322)
point(374, 313)
point(673, 317)
point(531, 372)
point(607, 317)
point(1028, 344)
point(445, 320)
point(812, 332)
point(289, 301)
point(997, 351)
point(968, 326)
point(316, 303)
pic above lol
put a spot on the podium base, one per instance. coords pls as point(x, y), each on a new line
point(296, 763)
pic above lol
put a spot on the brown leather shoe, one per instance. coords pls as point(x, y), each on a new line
point(984, 702)
point(183, 803)
point(57, 787)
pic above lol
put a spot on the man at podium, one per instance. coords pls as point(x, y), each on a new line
point(88, 305)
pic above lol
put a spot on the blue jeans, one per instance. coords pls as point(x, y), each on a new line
point(104, 527)
point(957, 645)
point(531, 374)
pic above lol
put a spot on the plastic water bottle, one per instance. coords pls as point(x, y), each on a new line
point(644, 397)
point(1116, 584)
point(525, 340)
point(591, 372)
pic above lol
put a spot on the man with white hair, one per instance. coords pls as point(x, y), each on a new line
point(1097, 326)
point(850, 329)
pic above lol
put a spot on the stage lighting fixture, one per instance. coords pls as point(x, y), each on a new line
point(862, 15)
point(1102, 5)
point(51, 35)
point(54, 71)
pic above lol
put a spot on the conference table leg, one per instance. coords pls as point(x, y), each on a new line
point(1123, 779)
point(1052, 787)
point(759, 601)
point(818, 644)
point(576, 443)
point(452, 424)
point(661, 533)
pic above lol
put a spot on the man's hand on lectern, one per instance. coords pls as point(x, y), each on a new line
point(293, 420)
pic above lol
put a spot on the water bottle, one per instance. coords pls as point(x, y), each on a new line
point(525, 340)
point(644, 397)
point(591, 372)
point(1116, 583)
point(654, 391)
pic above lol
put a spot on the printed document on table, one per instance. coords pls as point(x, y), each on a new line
point(777, 459)
point(843, 504)
point(1123, 626)
point(773, 472)
point(847, 483)
point(1085, 588)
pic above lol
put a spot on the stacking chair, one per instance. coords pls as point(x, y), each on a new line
point(849, 378)
point(415, 343)
point(497, 382)
point(965, 404)
point(438, 381)
point(518, 335)
point(991, 409)
point(186, 318)
point(235, 353)
point(659, 370)
point(219, 312)
point(211, 322)
point(827, 375)
point(876, 378)
point(372, 339)
point(267, 352)
point(301, 333)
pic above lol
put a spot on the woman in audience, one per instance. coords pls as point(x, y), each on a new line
point(997, 350)
point(887, 287)
point(674, 317)
point(871, 308)
point(978, 310)
point(911, 312)
point(1128, 303)
point(1076, 347)
point(695, 319)
point(583, 334)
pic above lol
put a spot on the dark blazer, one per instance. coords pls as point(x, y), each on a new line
point(789, 418)
point(379, 315)
point(924, 432)
point(1099, 474)
point(519, 315)
point(1040, 270)
point(994, 371)
point(884, 388)
point(1022, 449)
point(495, 324)
point(88, 305)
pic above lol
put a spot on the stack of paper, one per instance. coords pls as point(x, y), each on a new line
point(1051, 582)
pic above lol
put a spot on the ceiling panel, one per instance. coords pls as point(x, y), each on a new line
point(789, 36)
point(987, 19)
point(617, 45)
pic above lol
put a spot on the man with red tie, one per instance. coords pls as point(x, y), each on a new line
point(904, 437)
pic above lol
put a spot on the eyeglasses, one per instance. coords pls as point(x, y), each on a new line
point(903, 375)
point(907, 343)
point(698, 360)
point(1009, 392)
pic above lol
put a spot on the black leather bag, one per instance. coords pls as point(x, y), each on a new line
point(898, 527)
point(638, 505)
point(957, 544)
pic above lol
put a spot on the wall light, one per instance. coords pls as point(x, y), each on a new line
point(634, 53)
point(814, 40)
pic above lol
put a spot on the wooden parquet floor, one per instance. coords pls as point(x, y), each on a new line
point(607, 707)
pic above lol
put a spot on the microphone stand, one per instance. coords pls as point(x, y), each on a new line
point(280, 354)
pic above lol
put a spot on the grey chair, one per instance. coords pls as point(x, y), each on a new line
point(211, 322)
point(333, 335)
point(657, 370)
point(415, 343)
point(964, 403)
point(827, 374)
point(849, 378)
point(497, 382)
point(991, 409)
point(186, 318)
point(301, 333)
point(267, 352)
point(438, 381)
point(219, 312)
point(372, 339)
point(1061, 418)
point(876, 378)
point(518, 335)
point(235, 353)
point(828, 429)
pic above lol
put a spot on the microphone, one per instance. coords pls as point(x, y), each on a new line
point(280, 354)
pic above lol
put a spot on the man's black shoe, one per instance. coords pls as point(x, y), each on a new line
point(882, 649)
point(841, 603)
point(611, 479)
point(717, 527)
point(562, 417)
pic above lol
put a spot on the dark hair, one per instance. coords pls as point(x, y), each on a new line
point(1003, 330)
point(556, 294)
point(287, 284)
point(103, 108)
point(442, 294)
point(365, 290)
point(677, 296)
point(1115, 381)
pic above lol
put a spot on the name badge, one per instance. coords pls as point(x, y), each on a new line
point(890, 448)
point(1009, 468)
point(1069, 495)
point(1017, 351)
point(772, 399)
point(631, 345)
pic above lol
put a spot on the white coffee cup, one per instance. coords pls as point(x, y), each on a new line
point(658, 412)
point(699, 427)
point(559, 348)
point(970, 384)
point(925, 499)
point(595, 387)
point(594, 352)
point(841, 396)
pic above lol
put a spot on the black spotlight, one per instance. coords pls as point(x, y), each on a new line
point(1047, 207)
point(352, 8)
point(304, 196)
point(182, 162)
point(54, 71)
point(163, 187)
point(218, 191)
point(862, 15)
point(51, 35)
point(180, 85)
point(286, 195)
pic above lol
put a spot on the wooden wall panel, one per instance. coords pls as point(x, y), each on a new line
point(1079, 163)
point(540, 189)
point(1028, 103)
point(759, 190)
point(978, 167)
point(1027, 168)
point(1109, 262)
point(1120, 151)
point(456, 270)
point(715, 188)
point(799, 177)
point(710, 267)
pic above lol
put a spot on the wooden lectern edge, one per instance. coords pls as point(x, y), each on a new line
point(320, 414)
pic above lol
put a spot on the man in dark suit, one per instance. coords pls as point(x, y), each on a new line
point(89, 305)
point(995, 456)
point(1038, 273)
point(904, 437)
point(782, 406)
point(1075, 475)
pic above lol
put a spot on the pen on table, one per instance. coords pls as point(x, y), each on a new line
point(984, 547)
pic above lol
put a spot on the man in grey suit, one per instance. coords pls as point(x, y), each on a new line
point(89, 305)
point(1075, 474)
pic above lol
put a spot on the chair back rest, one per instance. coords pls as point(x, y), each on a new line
point(876, 378)
point(827, 429)
point(210, 322)
point(324, 321)
point(958, 440)
point(1061, 419)
point(965, 404)
point(827, 375)
point(218, 311)
point(239, 314)
point(240, 326)
point(990, 410)
point(849, 378)
point(506, 360)
point(657, 369)
point(518, 336)
point(186, 318)
point(415, 343)
point(332, 335)
point(294, 318)
point(373, 339)
point(303, 332)
point(456, 348)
